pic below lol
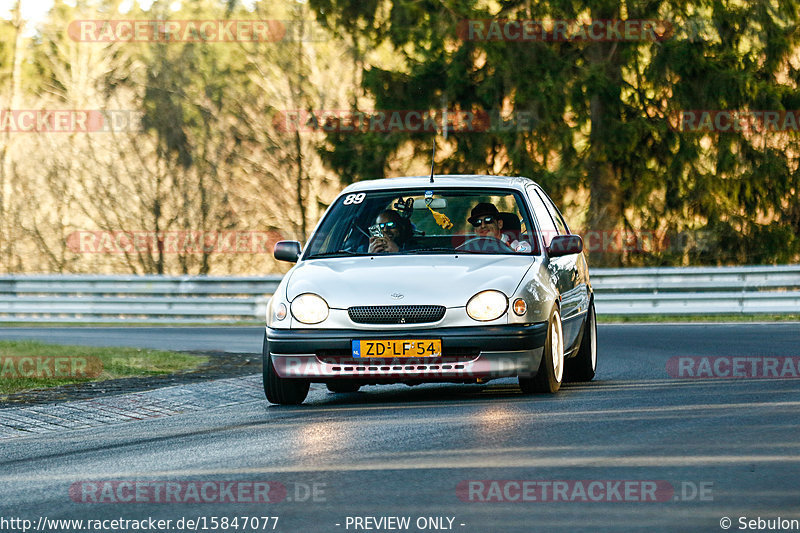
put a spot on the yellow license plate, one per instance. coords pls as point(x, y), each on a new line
point(398, 348)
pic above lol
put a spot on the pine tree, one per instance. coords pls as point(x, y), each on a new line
point(605, 114)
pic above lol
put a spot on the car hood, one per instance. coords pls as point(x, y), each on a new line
point(425, 279)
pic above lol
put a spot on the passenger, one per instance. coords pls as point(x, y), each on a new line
point(488, 224)
point(396, 233)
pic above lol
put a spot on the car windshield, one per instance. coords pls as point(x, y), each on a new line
point(427, 221)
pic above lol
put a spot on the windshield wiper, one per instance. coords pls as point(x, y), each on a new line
point(447, 250)
point(337, 253)
point(426, 250)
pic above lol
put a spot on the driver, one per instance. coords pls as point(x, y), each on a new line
point(487, 222)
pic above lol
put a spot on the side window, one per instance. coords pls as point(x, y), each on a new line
point(554, 213)
point(546, 225)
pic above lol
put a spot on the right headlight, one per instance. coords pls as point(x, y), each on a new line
point(309, 308)
point(487, 305)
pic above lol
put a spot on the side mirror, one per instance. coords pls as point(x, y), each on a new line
point(287, 251)
point(565, 245)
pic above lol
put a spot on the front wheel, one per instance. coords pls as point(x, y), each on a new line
point(551, 369)
point(583, 366)
point(281, 390)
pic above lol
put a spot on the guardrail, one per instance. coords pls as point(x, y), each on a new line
point(177, 299)
point(697, 290)
point(174, 299)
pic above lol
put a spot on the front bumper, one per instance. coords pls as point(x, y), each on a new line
point(469, 353)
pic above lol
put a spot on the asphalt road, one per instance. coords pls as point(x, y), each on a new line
point(688, 452)
point(221, 339)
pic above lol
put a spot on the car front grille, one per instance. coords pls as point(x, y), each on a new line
point(396, 314)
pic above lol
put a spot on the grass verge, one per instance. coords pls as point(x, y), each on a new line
point(616, 319)
point(28, 365)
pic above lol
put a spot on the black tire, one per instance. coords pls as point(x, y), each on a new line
point(281, 390)
point(583, 366)
point(343, 385)
point(551, 368)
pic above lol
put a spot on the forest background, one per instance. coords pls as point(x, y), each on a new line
point(197, 154)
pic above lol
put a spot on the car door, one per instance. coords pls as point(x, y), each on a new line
point(565, 269)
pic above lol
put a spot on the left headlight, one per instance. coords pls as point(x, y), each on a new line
point(487, 305)
point(309, 308)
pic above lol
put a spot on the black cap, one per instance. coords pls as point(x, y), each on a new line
point(482, 209)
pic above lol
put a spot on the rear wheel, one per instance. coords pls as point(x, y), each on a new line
point(583, 366)
point(343, 385)
point(551, 369)
point(281, 390)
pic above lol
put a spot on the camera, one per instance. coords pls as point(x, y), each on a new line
point(376, 231)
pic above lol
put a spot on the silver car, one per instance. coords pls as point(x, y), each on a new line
point(432, 279)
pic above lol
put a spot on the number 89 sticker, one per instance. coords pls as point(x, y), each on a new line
point(354, 199)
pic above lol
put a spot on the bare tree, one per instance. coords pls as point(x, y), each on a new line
point(9, 208)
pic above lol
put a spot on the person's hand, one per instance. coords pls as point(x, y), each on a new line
point(377, 245)
point(382, 245)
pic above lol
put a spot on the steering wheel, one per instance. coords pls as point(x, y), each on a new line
point(484, 244)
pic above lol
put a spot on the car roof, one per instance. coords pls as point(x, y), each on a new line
point(442, 181)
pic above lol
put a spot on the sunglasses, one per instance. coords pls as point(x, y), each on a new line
point(485, 220)
point(384, 225)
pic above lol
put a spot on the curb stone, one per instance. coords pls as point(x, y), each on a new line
point(82, 414)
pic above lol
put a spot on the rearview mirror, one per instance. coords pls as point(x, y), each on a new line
point(436, 203)
point(565, 245)
point(287, 251)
